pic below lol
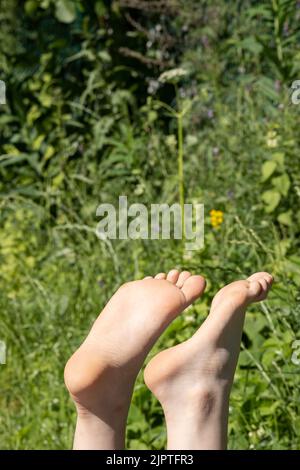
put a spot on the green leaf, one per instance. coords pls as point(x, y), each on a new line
point(268, 169)
point(38, 142)
point(100, 8)
point(45, 100)
point(136, 444)
point(65, 11)
point(263, 11)
point(104, 56)
point(50, 151)
point(278, 157)
point(285, 218)
point(282, 184)
point(269, 408)
point(57, 181)
point(252, 45)
point(31, 7)
point(271, 198)
point(266, 87)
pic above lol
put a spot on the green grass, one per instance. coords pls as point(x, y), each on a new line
point(65, 149)
point(57, 276)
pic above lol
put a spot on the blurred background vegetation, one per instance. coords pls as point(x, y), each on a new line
point(83, 124)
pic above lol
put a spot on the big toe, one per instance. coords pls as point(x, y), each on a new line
point(192, 288)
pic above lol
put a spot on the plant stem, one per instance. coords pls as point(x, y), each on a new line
point(277, 31)
point(180, 168)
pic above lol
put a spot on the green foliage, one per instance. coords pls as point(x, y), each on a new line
point(85, 122)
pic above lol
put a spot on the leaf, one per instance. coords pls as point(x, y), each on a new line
point(65, 11)
point(271, 198)
point(31, 7)
point(282, 184)
point(11, 149)
point(57, 181)
point(254, 324)
point(136, 444)
point(33, 114)
point(269, 408)
point(10, 159)
point(266, 87)
point(269, 357)
point(268, 169)
point(50, 151)
point(136, 420)
point(251, 45)
point(262, 11)
point(104, 56)
point(278, 157)
point(244, 359)
point(100, 8)
point(285, 218)
point(36, 145)
point(63, 304)
point(45, 100)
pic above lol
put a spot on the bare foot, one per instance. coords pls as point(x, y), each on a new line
point(100, 375)
point(192, 380)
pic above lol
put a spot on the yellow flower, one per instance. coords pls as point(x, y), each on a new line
point(216, 218)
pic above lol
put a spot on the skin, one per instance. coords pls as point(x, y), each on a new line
point(193, 380)
point(100, 375)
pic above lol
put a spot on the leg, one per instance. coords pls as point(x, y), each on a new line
point(193, 380)
point(101, 374)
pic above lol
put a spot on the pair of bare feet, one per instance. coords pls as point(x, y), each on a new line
point(192, 380)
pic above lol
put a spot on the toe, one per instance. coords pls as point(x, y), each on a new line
point(235, 297)
point(148, 277)
point(269, 278)
point(264, 284)
point(192, 288)
point(173, 276)
point(259, 286)
point(160, 276)
point(182, 278)
point(259, 276)
point(255, 290)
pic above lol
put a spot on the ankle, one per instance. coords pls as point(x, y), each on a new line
point(201, 400)
point(96, 432)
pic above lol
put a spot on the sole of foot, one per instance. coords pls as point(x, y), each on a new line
point(193, 379)
point(100, 375)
